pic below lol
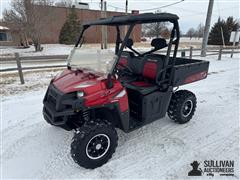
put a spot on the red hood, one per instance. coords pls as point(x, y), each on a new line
point(94, 87)
point(69, 79)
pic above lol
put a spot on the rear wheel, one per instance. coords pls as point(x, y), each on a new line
point(94, 144)
point(182, 106)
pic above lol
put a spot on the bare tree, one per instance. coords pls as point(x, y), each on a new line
point(197, 33)
point(165, 33)
point(190, 33)
point(156, 29)
point(31, 16)
point(64, 3)
point(200, 30)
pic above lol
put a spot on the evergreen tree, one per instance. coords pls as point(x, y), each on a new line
point(222, 27)
point(71, 29)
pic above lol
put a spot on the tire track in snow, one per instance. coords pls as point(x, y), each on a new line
point(39, 140)
point(59, 161)
point(60, 164)
point(20, 141)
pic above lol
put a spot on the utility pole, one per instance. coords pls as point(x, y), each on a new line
point(102, 27)
point(126, 12)
point(206, 29)
point(105, 27)
point(222, 37)
point(126, 8)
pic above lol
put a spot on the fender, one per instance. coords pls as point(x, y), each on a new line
point(118, 119)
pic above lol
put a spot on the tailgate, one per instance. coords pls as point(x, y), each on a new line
point(189, 70)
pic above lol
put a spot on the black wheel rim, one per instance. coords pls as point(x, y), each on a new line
point(187, 108)
point(97, 146)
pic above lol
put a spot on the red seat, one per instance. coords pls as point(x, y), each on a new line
point(149, 75)
point(126, 60)
point(150, 69)
point(123, 61)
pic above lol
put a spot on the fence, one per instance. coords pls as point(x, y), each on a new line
point(18, 60)
point(62, 58)
point(211, 51)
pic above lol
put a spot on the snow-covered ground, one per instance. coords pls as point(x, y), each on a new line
point(48, 49)
point(31, 148)
point(61, 49)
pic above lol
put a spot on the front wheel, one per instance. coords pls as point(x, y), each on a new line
point(94, 144)
point(182, 106)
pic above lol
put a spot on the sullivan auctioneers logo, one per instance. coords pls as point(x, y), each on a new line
point(212, 167)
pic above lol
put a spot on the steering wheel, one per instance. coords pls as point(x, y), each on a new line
point(125, 69)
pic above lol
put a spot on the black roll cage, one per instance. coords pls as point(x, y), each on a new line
point(119, 49)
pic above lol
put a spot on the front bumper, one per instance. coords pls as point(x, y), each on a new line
point(58, 107)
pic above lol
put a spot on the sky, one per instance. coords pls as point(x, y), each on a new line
point(190, 12)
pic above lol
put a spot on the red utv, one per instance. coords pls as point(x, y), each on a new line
point(136, 88)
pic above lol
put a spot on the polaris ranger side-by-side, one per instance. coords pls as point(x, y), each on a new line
point(136, 89)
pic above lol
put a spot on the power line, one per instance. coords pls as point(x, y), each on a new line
point(116, 7)
point(193, 13)
point(151, 9)
point(162, 6)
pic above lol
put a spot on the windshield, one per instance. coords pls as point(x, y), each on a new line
point(90, 53)
point(91, 59)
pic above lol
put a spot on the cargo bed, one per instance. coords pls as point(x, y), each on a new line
point(189, 70)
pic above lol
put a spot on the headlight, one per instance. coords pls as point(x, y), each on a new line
point(80, 94)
